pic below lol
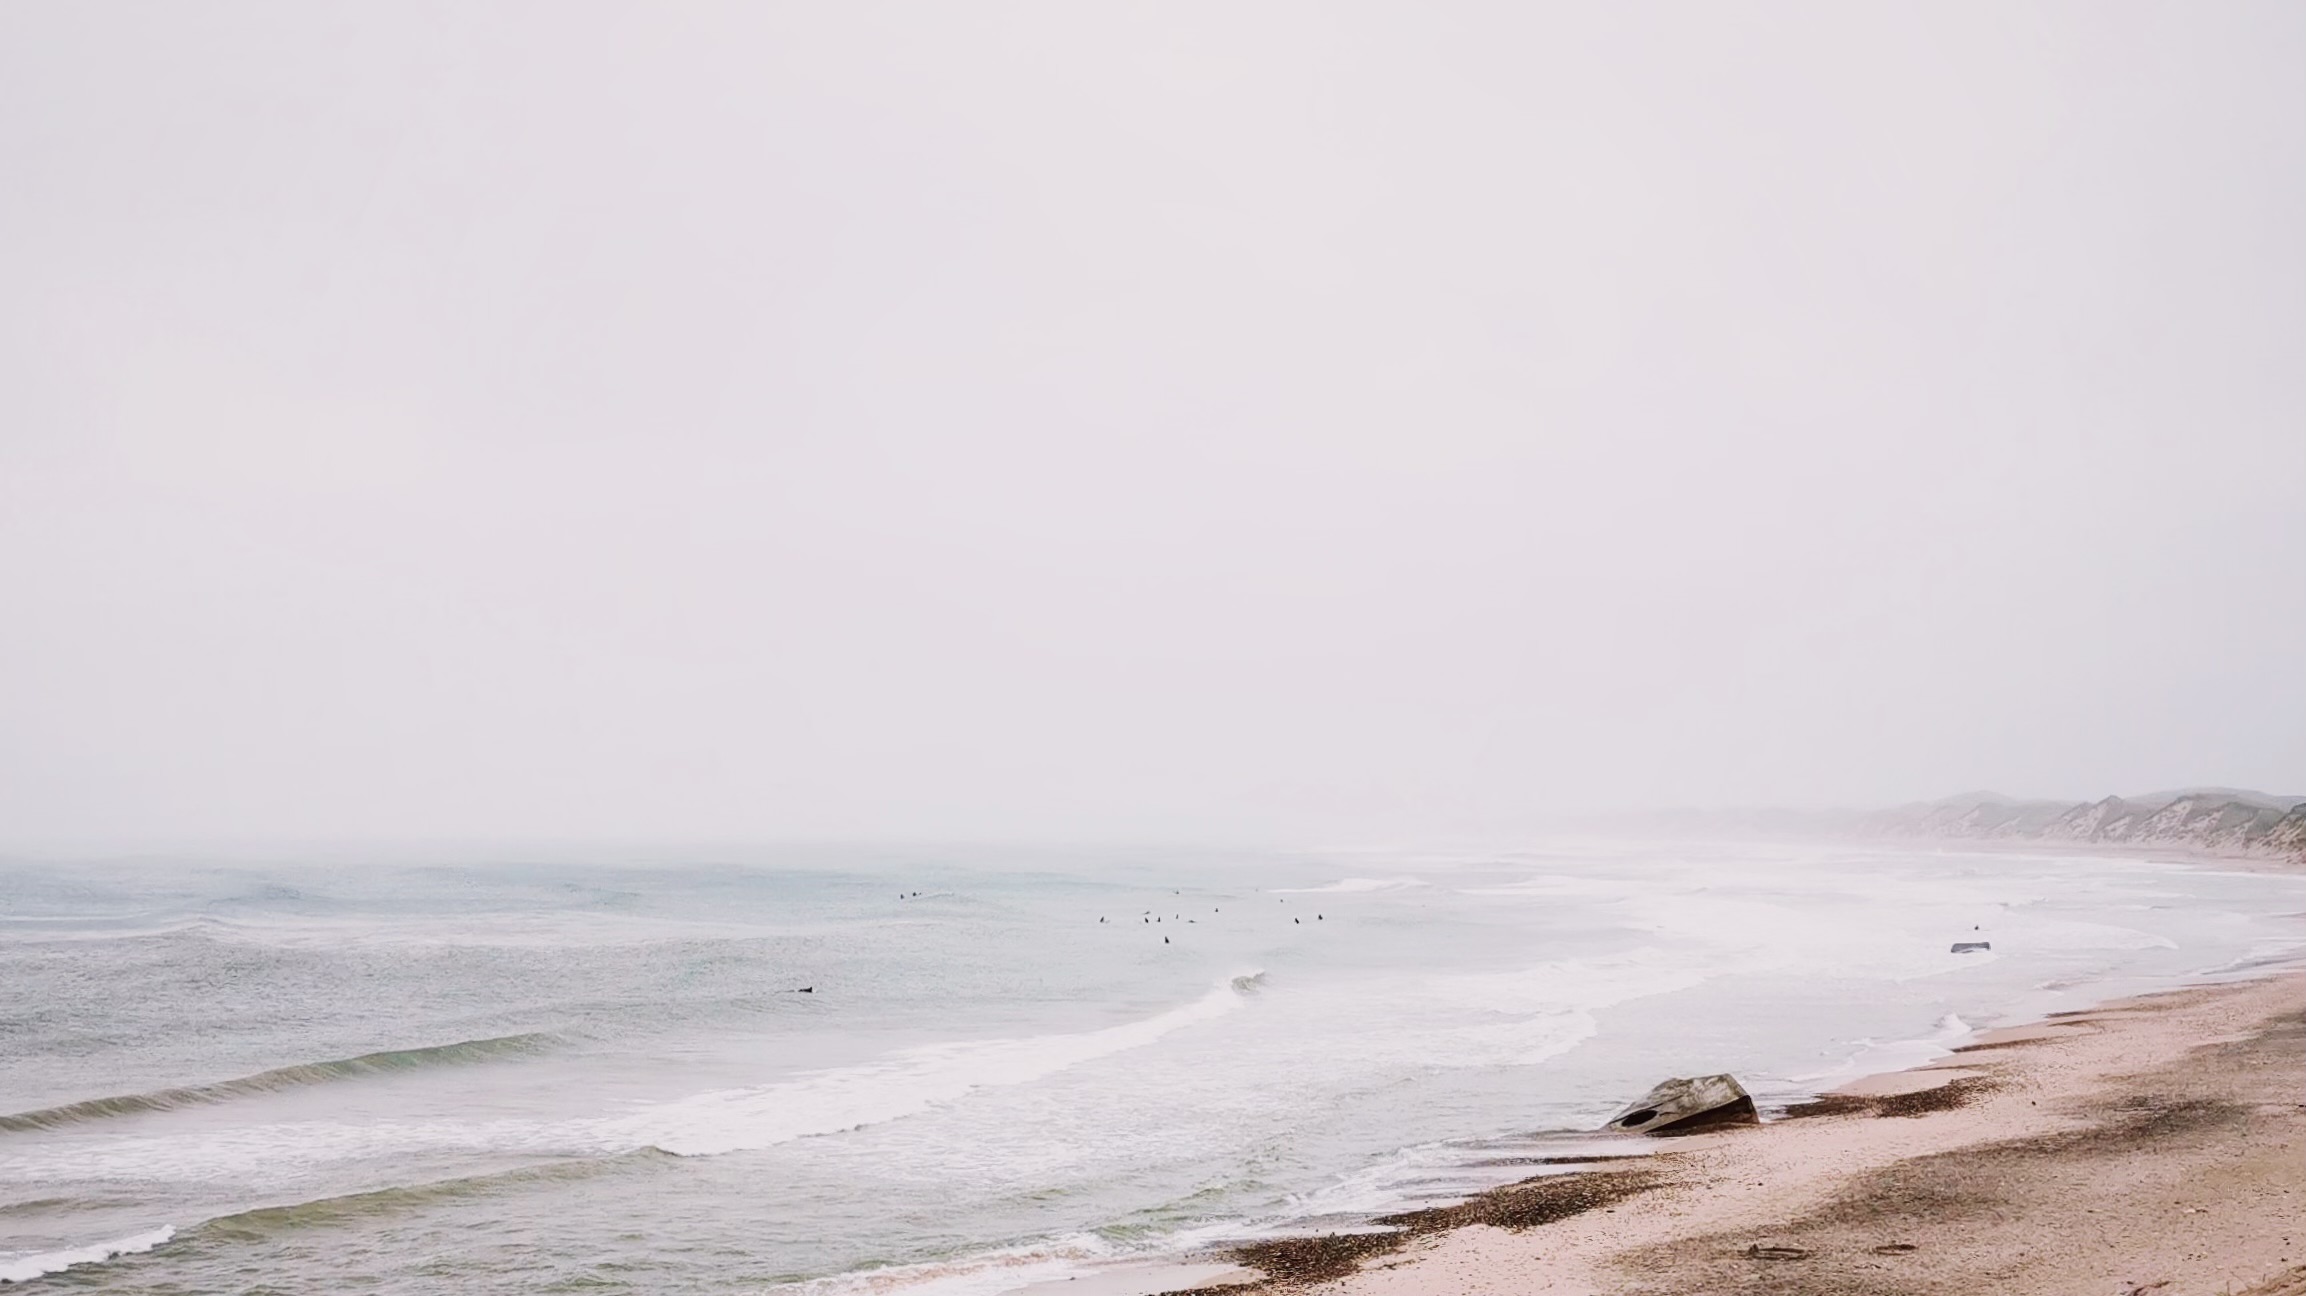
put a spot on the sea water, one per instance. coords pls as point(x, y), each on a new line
point(949, 1071)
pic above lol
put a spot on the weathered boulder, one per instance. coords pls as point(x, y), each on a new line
point(1684, 1105)
point(1972, 947)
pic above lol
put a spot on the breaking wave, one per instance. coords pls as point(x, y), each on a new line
point(289, 1077)
point(1349, 886)
point(912, 1080)
point(265, 1222)
point(25, 1268)
point(271, 1221)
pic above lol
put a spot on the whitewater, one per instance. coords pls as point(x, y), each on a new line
point(954, 1072)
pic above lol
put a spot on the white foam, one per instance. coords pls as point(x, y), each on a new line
point(1559, 886)
point(1354, 885)
point(1872, 1058)
point(2264, 957)
point(984, 1273)
point(1523, 1040)
point(1576, 984)
point(913, 1080)
point(820, 1102)
point(2020, 931)
point(26, 1266)
point(1518, 1017)
point(1898, 941)
point(1381, 1188)
point(278, 1154)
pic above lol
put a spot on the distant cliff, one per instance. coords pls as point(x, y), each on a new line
point(2214, 821)
point(2227, 822)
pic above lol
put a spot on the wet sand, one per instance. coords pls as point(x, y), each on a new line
point(2150, 1147)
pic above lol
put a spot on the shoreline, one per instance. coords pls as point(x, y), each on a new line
point(1537, 1234)
point(2153, 1145)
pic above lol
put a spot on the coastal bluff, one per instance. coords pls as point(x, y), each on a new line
point(2214, 821)
point(2226, 823)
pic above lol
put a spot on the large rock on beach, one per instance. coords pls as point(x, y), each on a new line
point(1684, 1105)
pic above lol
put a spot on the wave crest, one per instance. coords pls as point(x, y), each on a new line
point(906, 1082)
point(25, 1268)
point(1354, 885)
point(288, 1077)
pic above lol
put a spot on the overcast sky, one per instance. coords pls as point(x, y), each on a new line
point(591, 421)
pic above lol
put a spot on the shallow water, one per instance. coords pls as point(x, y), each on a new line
point(555, 1075)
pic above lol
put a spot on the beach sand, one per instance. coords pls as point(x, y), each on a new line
point(2150, 1147)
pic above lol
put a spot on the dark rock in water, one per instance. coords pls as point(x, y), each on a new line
point(1686, 1105)
point(806, 990)
point(1972, 947)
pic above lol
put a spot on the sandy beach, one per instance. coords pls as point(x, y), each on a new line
point(2154, 1145)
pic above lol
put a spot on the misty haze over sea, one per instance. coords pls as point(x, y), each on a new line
point(911, 648)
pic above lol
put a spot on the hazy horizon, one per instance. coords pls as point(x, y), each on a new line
point(1348, 423)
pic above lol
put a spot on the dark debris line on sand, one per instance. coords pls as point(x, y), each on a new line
point(1304, 1261)
point(1945, 1097)
point(2172, 1163)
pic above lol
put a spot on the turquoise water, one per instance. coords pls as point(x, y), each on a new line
point(562, 1074)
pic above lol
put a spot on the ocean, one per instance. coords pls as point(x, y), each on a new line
point(953, 1072)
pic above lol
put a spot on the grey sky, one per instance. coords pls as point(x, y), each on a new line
point(747, 420)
